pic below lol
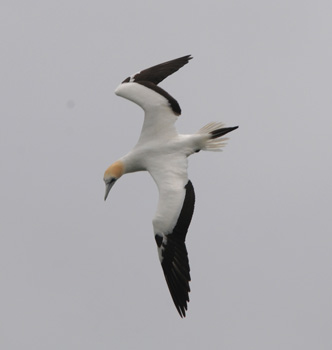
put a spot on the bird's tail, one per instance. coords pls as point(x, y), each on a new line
point(212, 133)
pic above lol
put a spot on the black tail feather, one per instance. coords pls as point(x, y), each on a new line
point(221, 132)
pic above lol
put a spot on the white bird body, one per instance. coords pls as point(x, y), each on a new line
point(163, 152)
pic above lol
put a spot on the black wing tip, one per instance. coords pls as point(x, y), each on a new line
point(179, 296)
point(161, 71)
point(182, 311)
point(177, 272)
point(183, 59)
point(186, 57)
point(174, 65)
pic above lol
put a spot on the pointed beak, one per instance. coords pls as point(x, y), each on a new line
point(109, 185)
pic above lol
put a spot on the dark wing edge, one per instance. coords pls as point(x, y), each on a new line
point(158, 73)
point(177, 273)
point(175, 261)
point(173, 103)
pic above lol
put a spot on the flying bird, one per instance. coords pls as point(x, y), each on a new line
point(163, 152)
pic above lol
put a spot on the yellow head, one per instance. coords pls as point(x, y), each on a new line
point(112, 173)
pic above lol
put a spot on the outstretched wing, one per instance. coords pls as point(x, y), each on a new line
point(171, 223)
point(142, 88)
point(158, 73)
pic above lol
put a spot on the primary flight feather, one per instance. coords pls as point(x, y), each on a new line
point(163, 152)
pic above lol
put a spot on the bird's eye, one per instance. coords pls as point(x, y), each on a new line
point(110, 181)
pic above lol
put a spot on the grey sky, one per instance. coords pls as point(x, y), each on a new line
point(79, 273)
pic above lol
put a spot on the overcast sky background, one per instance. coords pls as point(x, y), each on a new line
point(81, 273)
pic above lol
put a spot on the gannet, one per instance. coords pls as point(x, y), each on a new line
point(163, 152)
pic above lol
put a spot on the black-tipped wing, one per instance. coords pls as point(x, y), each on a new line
point(176, 269)
point(158, 73)
point(174, 256)
point(151, 77)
